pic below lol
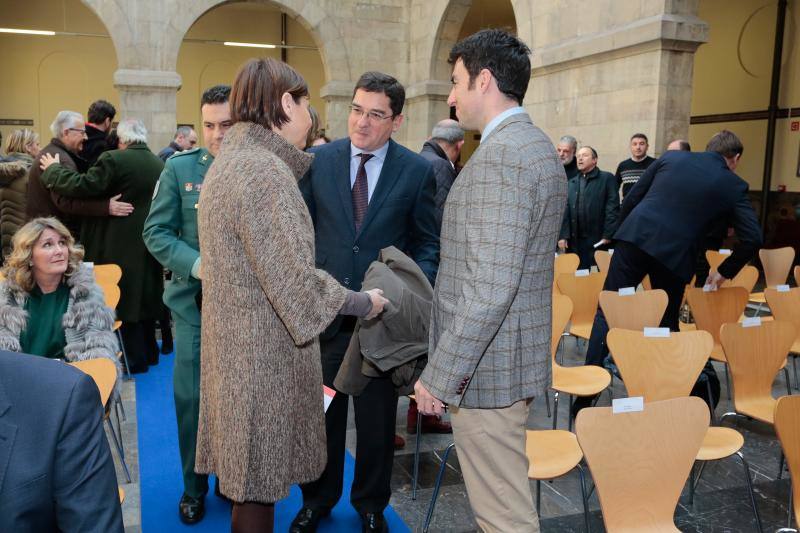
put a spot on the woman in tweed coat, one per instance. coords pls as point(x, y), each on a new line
point(261, 425)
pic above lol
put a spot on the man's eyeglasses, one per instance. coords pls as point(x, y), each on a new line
point(82, 132)
point(372, 116)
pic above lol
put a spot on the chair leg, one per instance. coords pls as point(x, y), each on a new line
point(794, 369)
point(610, 392)
point(750, 488)
point(121, 408)
point(119, 452)
point(569, 416)
point(436, 488)
point(710, 408)
point(788, 383)
point(691, 483)
point(585, 498)
point(538, 497)
point(547, 402)
point(791, 508)
point(555, 409)
point(124, 354)
point(415, 477)
point(119, 431)
point(728, 381)
point(780, 466)
point(699, 473)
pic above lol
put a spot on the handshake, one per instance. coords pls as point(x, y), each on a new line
point(378, 301)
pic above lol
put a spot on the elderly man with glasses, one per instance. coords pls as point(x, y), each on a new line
point(69, 134)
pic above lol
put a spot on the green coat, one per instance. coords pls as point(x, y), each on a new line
point(170, 231)
point(133, 172)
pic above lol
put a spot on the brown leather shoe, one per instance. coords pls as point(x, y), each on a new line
point(399, 442)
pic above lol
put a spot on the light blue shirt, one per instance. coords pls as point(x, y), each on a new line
point(500, 118)
point(373, 166)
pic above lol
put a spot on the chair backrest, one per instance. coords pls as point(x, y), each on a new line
point(646, 284)
point(797, 275)
point(104, 373)
point(659, 368)
point(714, 308)
point(755, 354)
point(562, 310)
point(777, 263)
point(640, 461)
point(787, 426)
point(108, 276)
point(746, 278)
point(564, 264)
point(583, 291)
point(785, 306)
point(715, 259)
point(603, 260)
point(634, 311)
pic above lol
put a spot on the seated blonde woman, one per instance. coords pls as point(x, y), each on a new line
point(50, 304)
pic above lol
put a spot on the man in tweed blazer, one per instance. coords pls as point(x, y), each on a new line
point(491, 321)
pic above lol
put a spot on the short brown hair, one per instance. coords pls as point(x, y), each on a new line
point(258, 88)
point(725, 143)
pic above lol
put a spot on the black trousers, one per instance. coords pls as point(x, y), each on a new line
point(584, 248)
point(375, 414)
point(140, 344)
point(629, 266)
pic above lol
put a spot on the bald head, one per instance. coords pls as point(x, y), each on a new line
point(679, 144)
point(449, 135)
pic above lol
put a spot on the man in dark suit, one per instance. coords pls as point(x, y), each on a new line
point(663, 221)
point(365, 193)
point(56, 471)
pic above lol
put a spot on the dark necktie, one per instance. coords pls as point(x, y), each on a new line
point(360, 192)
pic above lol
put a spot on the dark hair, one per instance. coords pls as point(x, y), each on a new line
point(505, 56)
point(258, 89)
point(378, 82)
point(112, 139)
point(640, 136)
point(594, 152)
point(218, 94)
point(99, 111)
point(725, 143)
point(685, 146)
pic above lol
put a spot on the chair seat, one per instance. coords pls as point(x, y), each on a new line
point(582, 330)
point(684, 326)
point(762, 409)
point(719, 443)
point(580, 380)
point(718, 354)
point(117, 324)
point(796, 347)
point(757, 298)
point(551, 453)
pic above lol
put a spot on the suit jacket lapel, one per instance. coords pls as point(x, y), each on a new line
point(342, 166)
point(8, 432)
point(386, 182)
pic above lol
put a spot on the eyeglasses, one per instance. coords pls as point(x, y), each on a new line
point(82, 132)
point(372, 116)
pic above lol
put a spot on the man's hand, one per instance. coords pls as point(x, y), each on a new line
point(49, 159)
point(562, 244)
point(427, 403)
point(117, 208)
point(715, 279)
point(378, 301)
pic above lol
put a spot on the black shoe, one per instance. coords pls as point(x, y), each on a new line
point(191, 510)
point(373, 523)
point(307, 520)
point(167, 347)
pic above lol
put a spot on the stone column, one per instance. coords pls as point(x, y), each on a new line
point(338, 95)
point(426, 104)
point(150, 95)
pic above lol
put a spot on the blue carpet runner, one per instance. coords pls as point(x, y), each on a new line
point(160, 471)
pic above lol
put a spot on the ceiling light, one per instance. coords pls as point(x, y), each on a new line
point(28, 32)
point(249, 45)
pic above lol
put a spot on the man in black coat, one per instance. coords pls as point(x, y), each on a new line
point(56, 470)
point(442, 151)
point(365, 193)
point(590, 218)
point(665, 217)
point(100, 116)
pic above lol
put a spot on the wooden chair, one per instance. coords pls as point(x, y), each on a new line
point(583, 291)
point(121, 495)
point(108, 276)
point(104, 373)
point(635, 311)
point(785, 306)
point(551, 454)
point(715, 259)
point(787, 426)
point(746, 278)
point(603, 260)
point(663, 368)
point(777, 263)
point(573, 380)
point(797, 275)
point(714, 308)
point(564, 264)
point(640, 461)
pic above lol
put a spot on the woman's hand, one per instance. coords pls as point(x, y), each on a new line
point(49, 159)
point(378, 301)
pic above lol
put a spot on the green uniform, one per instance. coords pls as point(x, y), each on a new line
point(170, 233)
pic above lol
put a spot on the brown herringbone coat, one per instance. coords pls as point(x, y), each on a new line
point(491, 313)
point(261, 414)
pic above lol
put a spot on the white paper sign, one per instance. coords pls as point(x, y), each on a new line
point(582, 273)
point(751, 321)
point(327, 396)
point(598, 244)
point(725, 251)
point(656, 332)
point(783, 288)
point(709, 288)
point(610, 251)
point(627, 405)
point(627, 291)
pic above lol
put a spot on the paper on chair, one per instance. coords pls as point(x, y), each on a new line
point(627, 291)
point(656, 332)
point(328, 394)
point(709, 288)
point(627, 405)
point(783, 288)
point(725, 251)
point(582, 273)
point(751, 321)
point(610, 251)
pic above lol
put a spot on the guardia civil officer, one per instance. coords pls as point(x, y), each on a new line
point(170, 233)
